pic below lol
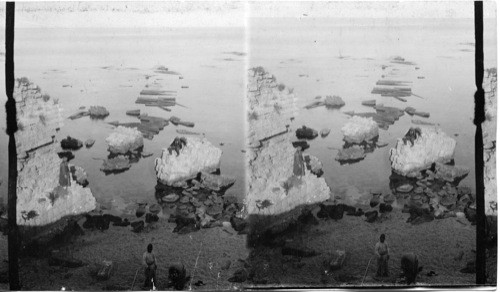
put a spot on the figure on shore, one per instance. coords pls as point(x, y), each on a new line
point(298, 163)
point(382, 252)
point(64, 176)
point(150, 263)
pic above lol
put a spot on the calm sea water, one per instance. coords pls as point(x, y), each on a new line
point(215, 101)
point(341, 57)
point(345, 57)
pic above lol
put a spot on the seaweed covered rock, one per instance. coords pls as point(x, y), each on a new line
point(181, 162)
point(124, 140)
point(359, 130)
point(306, 133)
point(71, 143)
point(419, 149)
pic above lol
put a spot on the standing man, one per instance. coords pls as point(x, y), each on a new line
point(149, 261)
point(382, 252)
point(64, 174)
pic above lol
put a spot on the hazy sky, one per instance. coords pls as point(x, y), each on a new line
point(229, 13)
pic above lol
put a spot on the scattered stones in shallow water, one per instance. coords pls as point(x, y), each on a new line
point(170, 198)
point(375, 200)
point(302, 144)
point(141, 210)
point(68, 154)
point(136, 112)
point(71, 143)
point(406, 188)
point(306, 133)
point(89, 143)
point(370, 102)
point(155, 209)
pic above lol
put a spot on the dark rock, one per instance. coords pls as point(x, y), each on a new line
point(302, 144)
point(78, 115)
point(134, 113)
point(152, 218)
point(177, 276)
point(370, 102)
point(238, 224)
point(323, 212)
point(306, 133)
point(385, 208)
point(409, 265)
point(112, 218)
point(240, 276)
point(349, 210)
point(170, 198)
point(186, 224)
point(336, 212)
point(68, 154)
point(140, 211)
point(96, 222)
point(307, 218)
point(137, 226)
point(418, 214)
point(375, 200)
point(359, 212)
point(371, 216)
point(411, 111)
point(71, 143)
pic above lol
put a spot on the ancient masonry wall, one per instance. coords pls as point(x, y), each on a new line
point(274, 195)
point(40, 199)
point(489, 141)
